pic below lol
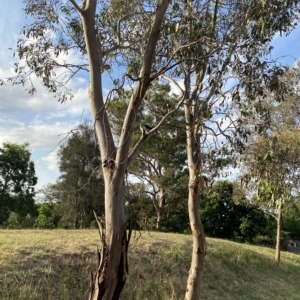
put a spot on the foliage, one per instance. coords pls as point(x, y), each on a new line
point(17, 221)
point(271, 161)
point(223, 218)
point(17, 181)
point(47, 216)
point(291, 222)
point(273, 166)
point(79, 190)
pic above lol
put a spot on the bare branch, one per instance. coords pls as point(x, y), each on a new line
point(76, 6)
point(142, 85)
point(145, 137)
point(173, 82)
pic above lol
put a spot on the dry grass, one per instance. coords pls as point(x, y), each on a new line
point(36, 264)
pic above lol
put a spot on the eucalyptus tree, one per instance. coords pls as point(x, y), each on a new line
point(272, 168)
point(228, 65)
point(270, 164)
point(201, 43)
point(161, 160)
point(109, 35)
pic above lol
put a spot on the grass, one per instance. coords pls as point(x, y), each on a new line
point(36, 264)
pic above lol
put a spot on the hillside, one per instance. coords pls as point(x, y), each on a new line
point(56, 264)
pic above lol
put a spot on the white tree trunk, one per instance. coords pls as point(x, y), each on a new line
point(195, 181)
point(160, 208)
point(111, 275)
point(278, 236)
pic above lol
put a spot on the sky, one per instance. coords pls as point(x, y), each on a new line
point(41, 120)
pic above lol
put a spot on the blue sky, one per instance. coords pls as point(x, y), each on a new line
point(40, 119)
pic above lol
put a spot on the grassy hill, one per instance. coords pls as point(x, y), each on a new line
point(56, 265)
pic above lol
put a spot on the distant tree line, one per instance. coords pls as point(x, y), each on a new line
point(70, 203)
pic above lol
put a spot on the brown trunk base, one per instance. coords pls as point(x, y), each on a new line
point(108, 282)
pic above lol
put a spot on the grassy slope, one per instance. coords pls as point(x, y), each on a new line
point(56, 264)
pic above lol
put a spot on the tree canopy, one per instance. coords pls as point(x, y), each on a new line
point(17, 180)
point(224, 218)
point(79, 191)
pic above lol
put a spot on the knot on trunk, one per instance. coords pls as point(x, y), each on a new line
point(193, 184)
point(109, 163)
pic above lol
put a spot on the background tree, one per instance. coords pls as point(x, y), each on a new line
point(273, 167)
point(291, 223)
point(161, 160)
point(80, 188)
point(17, 181)
point(143, 214)
point(224, 218)
point(48, 218)
point(272, 158)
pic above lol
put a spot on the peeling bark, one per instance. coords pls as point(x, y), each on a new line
point(110, 277)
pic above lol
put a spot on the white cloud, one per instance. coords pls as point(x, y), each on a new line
point(44, 173)
point(40, 135)
point(51, 160)
point(15, 98)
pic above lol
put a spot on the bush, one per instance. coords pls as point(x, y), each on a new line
point(47, 216)
point(263, 240)
point(16, 221)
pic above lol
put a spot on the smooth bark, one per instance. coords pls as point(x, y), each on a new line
point(195, 183)
point(193, 290)
point(110, 277)
point(278, 236)
point(160, 208)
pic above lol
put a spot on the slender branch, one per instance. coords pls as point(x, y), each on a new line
point(145, 137)
point(141, 87)
point(173, 82)
point(118, 47)
point(124, 18)
point(76, 6)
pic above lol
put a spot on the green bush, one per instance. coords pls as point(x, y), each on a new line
point(47, 216)
point(16, 221)
point(263, 240)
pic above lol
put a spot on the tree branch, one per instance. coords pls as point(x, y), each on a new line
point(141, 87)
point(145, 137)
point(173, 82)
point(76, 6)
